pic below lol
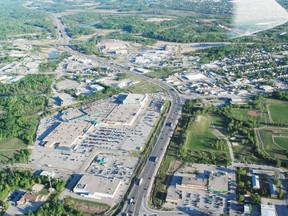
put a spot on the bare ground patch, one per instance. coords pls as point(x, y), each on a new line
point(254, 113)
point(67, 84)
point(86, 206)
point(174, 166)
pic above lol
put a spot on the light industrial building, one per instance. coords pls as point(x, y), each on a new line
point(97, 187)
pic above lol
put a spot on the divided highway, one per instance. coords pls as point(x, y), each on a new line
point(141, 192)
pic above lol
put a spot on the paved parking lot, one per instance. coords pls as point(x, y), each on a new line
point(210, 190)
point(113, 166)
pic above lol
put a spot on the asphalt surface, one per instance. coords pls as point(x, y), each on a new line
point(140, 193)
point(149, 171)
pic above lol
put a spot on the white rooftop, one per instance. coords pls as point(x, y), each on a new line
point(97, 186)
point(268, 210)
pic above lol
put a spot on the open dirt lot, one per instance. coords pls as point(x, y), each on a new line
point(254, 113)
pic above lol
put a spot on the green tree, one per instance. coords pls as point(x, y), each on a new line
point(241, 198)
point(256, 198)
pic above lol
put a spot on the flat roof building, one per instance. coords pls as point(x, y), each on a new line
point(268, 210)
point(65, 134)
point(36, 188)
point(132, 99)
point(263, 172)
point(193, 183)
point(193, 77)
point(97, 187)
point(255, 182)
point(172, 196)
point(273, 190)
point(50, 174)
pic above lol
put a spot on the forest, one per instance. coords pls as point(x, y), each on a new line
point(17, 20)
point(20, 103)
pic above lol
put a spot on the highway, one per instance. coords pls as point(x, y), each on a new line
point(140, 193)
point(149, 171)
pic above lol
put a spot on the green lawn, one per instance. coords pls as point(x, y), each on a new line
point(163, 72)
point(143, 88)
point(243, 115)
point(278, 110)
point(220, 123)
point(282, 141)
point(8, 147)
point(14, 143)
point(199, 135)
point(275, 151)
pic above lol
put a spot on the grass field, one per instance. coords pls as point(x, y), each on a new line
point(8, 147)
point(274, 149)
point(199, 135)
point(278, 111)
point(282, 141)
point(220, 124)
point(143, 88)
point(163, 72)
point(246, 115)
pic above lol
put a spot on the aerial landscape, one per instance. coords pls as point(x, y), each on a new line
point(143, 107)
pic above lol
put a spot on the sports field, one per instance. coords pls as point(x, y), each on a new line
point(247, 114)
point(274, 141)
point(278, 111)
point(281, 141)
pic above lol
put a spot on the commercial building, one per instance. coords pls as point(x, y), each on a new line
point(142, 70)
point(268, 210)
point(273, 190)
point(97, 187)
point(193, 77)
point(96, 87)
point(65, 134)
point(263, 172)
point(132, 99)
point(128, 109)
point(192, 183)
point(172, 196)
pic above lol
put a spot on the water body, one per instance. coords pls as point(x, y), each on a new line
point(53, 54)
point(252, 16)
